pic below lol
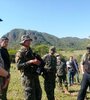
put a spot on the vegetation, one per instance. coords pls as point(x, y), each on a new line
point(41, 41)
point(41, 49)
point(15, 90)
point(68, 43)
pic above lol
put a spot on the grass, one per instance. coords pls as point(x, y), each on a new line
point(74, 53)
point(15, 91)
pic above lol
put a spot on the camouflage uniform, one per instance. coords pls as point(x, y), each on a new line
point(61, 75)
point(49, 82)
point(30, 79)
point(86, 75)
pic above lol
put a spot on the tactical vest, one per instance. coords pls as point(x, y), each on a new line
point(27, 55)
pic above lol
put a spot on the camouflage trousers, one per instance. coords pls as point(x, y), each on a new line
point(62, 80)
point(32, 89)
point(49, 86)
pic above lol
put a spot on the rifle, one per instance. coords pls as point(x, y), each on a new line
point(40, 68)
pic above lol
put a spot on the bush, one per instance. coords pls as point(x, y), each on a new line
point(41, 49)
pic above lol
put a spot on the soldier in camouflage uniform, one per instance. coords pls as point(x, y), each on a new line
point(61, 75)
point(27, 64)
point(85, 66)
point(50, 67)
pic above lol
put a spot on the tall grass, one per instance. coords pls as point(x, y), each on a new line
point(15, 90)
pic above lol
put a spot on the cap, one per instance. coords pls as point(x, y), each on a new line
point(24, 38)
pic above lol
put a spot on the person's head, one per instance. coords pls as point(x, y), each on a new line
point(71, 58)
point(88, 48)
point(4, 42)
point(58, 58)
point(25, 41)
point(52, 50)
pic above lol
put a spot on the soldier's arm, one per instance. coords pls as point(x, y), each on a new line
point(21, 63)
point(3, 72)
point(82, 64)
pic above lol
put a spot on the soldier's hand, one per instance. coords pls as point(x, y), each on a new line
point(34, 61)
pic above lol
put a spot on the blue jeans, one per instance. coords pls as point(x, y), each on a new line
point(77, 77)
point(84, 85)
point(71, 76)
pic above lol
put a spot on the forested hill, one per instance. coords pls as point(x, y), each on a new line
point(47, 39)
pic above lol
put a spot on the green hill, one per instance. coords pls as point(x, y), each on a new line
point(68, 43)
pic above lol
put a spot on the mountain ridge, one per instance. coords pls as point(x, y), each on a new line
point(64, 43)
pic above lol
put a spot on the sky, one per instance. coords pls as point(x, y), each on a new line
point(61, 18)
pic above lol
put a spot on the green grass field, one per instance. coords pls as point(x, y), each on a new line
point(15, 91)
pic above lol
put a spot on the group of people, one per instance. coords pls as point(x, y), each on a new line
point(28, 65)
point(66, 69)
point(50, 66)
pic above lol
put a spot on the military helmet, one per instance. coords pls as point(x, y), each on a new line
point(88, 46)
point(24, 38)
point(52, 48)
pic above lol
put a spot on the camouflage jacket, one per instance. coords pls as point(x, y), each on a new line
point(22, 56)
point(50, 63)
point(61, 68)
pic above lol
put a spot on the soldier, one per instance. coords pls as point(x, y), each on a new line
point(50, 67)
point(61, 75)
point(27, 64)
point(7, 62)
point(85, 67)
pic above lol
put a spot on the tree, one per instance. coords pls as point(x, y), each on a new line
point(41, 49)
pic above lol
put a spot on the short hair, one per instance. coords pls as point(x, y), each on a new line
point(4, 38)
